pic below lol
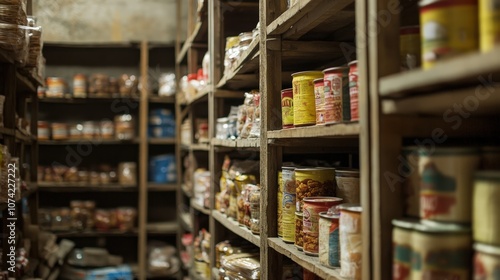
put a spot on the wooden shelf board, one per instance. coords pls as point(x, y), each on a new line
point(231, 94)
point(162, 187)
point(333, 130)
point(199, 207)
point(202, 95)
point(7, 131)
point(304, 16)
point(186, 223)
point(84, 187)
point(238, 143)
point(23, 137)
point(94, 233)
point(33, 188)
point(468, 69)
point(308, 262)
point(6, 56)
point(247, 62)
point(92, 45)
point(197, 36)
point(86, 100)
point(162, 228)
point(233, 226)
point(162, 141)
point(200, 147)
point(95, 142)
point(161, 99)
point(185, 191)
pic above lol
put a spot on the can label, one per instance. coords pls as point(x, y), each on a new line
point(432, 266)
point(280, 200)
point(329, 234)
point(402, 262)
point(299, 232)
point(288, 217)
point(334, 91)
point(486, 266)
point(489, 17)
point(319, 94)
point(304, 107)
point(320, 182)
point(437, 195)
point(287, 108)
point(353, 92)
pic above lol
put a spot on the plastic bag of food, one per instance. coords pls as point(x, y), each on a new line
point(241, 266)
point(249, 115)
point(255, 131)
point(166, 83)
point(162, 259)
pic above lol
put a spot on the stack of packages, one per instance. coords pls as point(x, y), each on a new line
point(243, 121)
point(237, 260)
point(10, 187)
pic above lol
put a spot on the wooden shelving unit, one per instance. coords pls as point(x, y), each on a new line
point(84, 187)
point(233, 226)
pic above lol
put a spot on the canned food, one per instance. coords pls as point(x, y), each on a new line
point(43, 130)
point(107, 129)
point(402, 248)
point(124, 127)
point(489, 24)
point(350, 240)
point(486, 207)
point(288, 204)
point(59, 131)
point(329, 249)
point(353, 90)
point(299, 231)
point(90, 130)
point(446, 184)
point(449, 28)
point(486, 262)
point(409, 46)
point(304, 107)
point(80, 86)
point(411, 185)
point(55, 87)
point(441, 251)
point(337, 108)
point(287, 107)
point(314, 182)
point(76, 131)
point(280, 199)
point(347, 185)
point(312, 207)
point(319, 96)
point(490, 158)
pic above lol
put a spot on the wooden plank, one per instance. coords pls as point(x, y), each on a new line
point(92, 141)
point(233, 226)
point(308, 262)
point(291, 16)
point(318, 16)
point(158, 187)
point(237, 143)
point(162, 141)
point(162, 99)
point(480, 69)
point(201, 96)
point(199, 208)
point(96, 234)
point(247, 62)
point(334, 130)
point(162, 228)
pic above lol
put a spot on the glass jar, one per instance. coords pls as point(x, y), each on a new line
point(75, 131)
point(79, 215)
point(107, 129)
point(89, 130)
point(124, 127)
point(127, 173)
point(43, 130)
point(59, 131)
point(125, 217)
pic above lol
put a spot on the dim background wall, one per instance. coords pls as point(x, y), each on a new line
point(104, 21)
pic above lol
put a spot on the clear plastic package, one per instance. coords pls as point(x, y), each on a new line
point(162, 259)
point(167, 85)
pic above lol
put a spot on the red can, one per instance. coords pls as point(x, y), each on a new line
point(287, 108)
point(353, 89)
point(336, 94)
point(319, 95)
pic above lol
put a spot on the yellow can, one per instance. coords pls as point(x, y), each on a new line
point(489, 24)
point(486, 224)
point(409, 46)
point(449, 28)
point(304, 100)
point(314, 182)
point(280, 200)
point(288, 204)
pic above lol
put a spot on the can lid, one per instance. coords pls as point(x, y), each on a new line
point(448, 151)
point(352, 62)
point(487, 175)
point(424, 3)
point(320, 80)
point(436, 227)
point(487, 249)
point(287, 89)
point(313, 168)
point(314, 73)
point(321, 199)
point(405, 223)
point(346, 171)
point(353, 207)
point(288, 167)
point(336, 69)
point(329, 215)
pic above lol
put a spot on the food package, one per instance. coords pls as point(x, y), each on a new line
point(162, 259)
point(105, 219)
point(125, 217)
point(242, 266)
point(99, 85)
point(124, 127)
point(202, 187)
point(167, 85)
point(128, 85)
point(247, 115)
point(255, 130)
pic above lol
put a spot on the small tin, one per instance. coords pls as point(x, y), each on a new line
point(43, 130)
point(79, 86)
point(312, 207)
point(409, 47)
point(449, 28)
point(304, 107)
point(350, 241)
point(287, 108)
point(447, 176)
point(485, 207)
point(329, 247)
point(319, 96)
point(280, 200)
point(489, 24)
point(337, 108)
point(486, 262)
point(347, 185)
point(353, 90)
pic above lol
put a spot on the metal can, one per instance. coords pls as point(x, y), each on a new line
point(434, 242)
point(288, 204)
point(347, 185)
point(401, 248)
point(486, 207)
point(59, 131)
point(299, 231)
point(304, 107)
point(43, 130)
point(449, 28)
point(319, 96)
point(314, 182)
point(90, 130)
point(312, 207)
point(329, 249)
point(80, 86)
point(287, 108)
point(280, 200)
point(447, 176)
point(489, 24)
point(75, 131)
point(353, 90)
point(486, 262)
point(107, 129)
point(350, 240)
point(55, 87)
point(337, 108)
point(411, 184)
point(409, 47)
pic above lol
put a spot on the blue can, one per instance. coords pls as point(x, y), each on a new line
point(162, 169)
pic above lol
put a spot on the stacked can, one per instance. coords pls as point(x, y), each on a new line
point(288, 204)
point(280, 201)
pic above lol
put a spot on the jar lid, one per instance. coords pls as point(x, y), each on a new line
point(329, 215)
point(312, 73)
point(347, 171)
point(487, 175)
point(353, 207)
point(320, 80)
point(405, 223)
point(436, 227)
point(288, 167)
point(336, 69)
point(287, 89)
point(487, 249)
